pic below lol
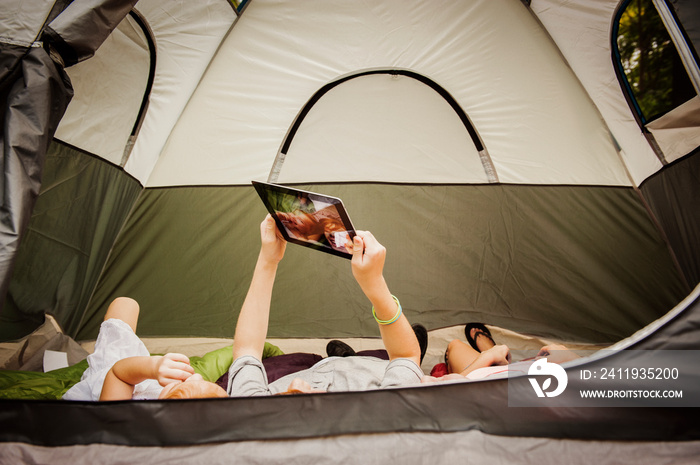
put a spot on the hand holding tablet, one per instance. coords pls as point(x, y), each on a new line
point(309, 219)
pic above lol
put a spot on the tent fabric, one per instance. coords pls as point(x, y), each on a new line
point(186, 36)
point(409, 447)
point(680, 39)
point(581, 31)
point(180, 65)
point(688, 12)
point(517, 83)
point(35, 93)
point(481, 406)
point(674, 197)
point(83, 204)
point(82, 27)
point(431, 150)
point(28, 353)
point(675, 131)
point(489, 260)
point(23, 21)
point(124, 87)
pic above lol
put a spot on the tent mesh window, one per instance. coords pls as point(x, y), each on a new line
point(650, 68)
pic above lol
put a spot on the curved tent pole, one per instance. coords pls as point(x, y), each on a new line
point(34, 94)
point(468, 125)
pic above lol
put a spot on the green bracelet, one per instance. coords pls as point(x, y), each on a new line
point(395, 317)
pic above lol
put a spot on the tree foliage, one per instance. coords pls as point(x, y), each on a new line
point(650, 60)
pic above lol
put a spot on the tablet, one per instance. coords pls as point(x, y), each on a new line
point(313, 220)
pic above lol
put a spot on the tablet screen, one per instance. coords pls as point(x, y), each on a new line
point(309, 219)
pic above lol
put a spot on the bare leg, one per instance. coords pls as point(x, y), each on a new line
point(125, 309)
point(459, 355)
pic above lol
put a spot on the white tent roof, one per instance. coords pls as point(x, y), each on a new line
point(187, 35)
point(279, 55)
point(225, 111)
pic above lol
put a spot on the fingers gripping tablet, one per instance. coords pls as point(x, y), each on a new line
point(309, 219)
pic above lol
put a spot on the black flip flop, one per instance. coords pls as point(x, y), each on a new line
point(481, 328)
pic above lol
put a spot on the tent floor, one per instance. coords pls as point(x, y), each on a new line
point(437, 343)
point(459, 447)
point(521, 345)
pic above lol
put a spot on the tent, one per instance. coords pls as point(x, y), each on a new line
point(501, 150)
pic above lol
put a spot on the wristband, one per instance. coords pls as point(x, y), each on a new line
point(394, 318)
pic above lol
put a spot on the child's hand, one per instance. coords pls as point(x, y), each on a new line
point(368, 262)
point(557, 353)
point(171, 368)
point(273, 244)
point(497, 355)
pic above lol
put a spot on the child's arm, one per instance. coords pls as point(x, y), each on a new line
point(367, 266)
point(557, 353)
point(251, 328)
point(128, 372)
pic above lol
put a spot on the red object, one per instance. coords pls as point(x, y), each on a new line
point(439, 370)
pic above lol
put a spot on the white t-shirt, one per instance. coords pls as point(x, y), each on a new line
point(115, 341)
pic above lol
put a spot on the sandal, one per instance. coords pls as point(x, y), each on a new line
point(480, 329)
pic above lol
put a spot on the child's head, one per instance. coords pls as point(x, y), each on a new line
point(194, 387)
